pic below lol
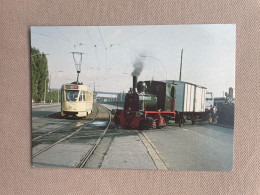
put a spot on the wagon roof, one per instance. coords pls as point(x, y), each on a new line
point(159, 81)
point(176, 82)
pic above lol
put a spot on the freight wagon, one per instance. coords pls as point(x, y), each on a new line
point(190, 101)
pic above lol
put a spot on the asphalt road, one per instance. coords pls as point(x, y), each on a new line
point(200, 147)
point(43, 110)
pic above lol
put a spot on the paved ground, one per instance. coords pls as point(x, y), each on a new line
point(128, 152)
point(39, 110)
point(200, 147)
point(193, 147)
point(112, 106)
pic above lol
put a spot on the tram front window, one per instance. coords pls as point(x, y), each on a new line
point(71, 95)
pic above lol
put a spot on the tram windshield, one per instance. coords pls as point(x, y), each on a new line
point(72, 95)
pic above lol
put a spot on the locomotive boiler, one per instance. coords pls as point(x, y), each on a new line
point(148, 104)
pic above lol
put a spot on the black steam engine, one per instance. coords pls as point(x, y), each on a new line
point(149, 104)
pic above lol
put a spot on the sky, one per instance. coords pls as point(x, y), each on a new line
point(110, 53)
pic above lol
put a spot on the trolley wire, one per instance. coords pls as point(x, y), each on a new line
point(135, 36)
point(101, 37)
point(66, 38)
point(103, 45)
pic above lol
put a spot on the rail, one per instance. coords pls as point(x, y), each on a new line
point(76, 131)
point(92, 149)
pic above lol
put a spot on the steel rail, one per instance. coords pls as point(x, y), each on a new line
point(52, 131)
point(56, 129)
point(48, 133)
point(46, 124)
point(92, 149)
point(50, 146)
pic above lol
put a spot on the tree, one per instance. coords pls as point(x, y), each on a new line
point(39, 73)
point(54, 95)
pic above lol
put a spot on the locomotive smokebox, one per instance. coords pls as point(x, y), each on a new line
point(134, 83)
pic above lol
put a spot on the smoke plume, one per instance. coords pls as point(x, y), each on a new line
point(138, 67)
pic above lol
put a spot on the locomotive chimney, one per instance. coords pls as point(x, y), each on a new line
point(134, 83)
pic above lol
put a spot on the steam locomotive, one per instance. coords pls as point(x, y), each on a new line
point(148, 104)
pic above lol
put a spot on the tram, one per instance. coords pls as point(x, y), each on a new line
point(76, 100)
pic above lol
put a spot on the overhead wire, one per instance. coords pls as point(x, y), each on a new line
point(95, 46)
point(66, 38)
point(136, 35)
point(101, 37)
point(90, 35)
point(52, 36)
point(103, 45)
point(95, 51)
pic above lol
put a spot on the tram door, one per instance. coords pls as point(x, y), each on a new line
point(82, 99)
point(173, 98)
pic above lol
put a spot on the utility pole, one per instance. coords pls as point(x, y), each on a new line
point(106, 58)
point(223, 93)
point(45, 89)
point(94, 97)
point(50, 90)
point(48, 76)
point(181, 65)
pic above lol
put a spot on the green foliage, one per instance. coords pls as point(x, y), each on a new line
point(54, 95)
point(39, 75)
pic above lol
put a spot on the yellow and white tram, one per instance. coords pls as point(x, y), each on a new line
point(76, 100)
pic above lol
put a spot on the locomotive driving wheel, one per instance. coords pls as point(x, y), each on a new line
point(181, 121)
point(193, 120)
point(146, 123)
point(142, 125)
point(117, 121)
point(149, 122)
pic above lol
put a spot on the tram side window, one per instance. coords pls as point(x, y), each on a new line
point(72, 95)
point(80, 96)
point(84, 96)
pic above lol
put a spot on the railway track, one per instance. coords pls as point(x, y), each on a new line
point(42, 135)
point(92, 149)
point(48, 133)
point(64, 138)
point(85, 132)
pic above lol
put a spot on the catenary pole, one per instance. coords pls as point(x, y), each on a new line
point(181, 65)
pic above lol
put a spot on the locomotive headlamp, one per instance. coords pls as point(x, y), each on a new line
point(138, 114)
point(113, 111)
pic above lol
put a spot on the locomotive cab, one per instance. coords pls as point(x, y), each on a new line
point(165, 93)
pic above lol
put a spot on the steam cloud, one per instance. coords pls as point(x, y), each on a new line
point(138, 67)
